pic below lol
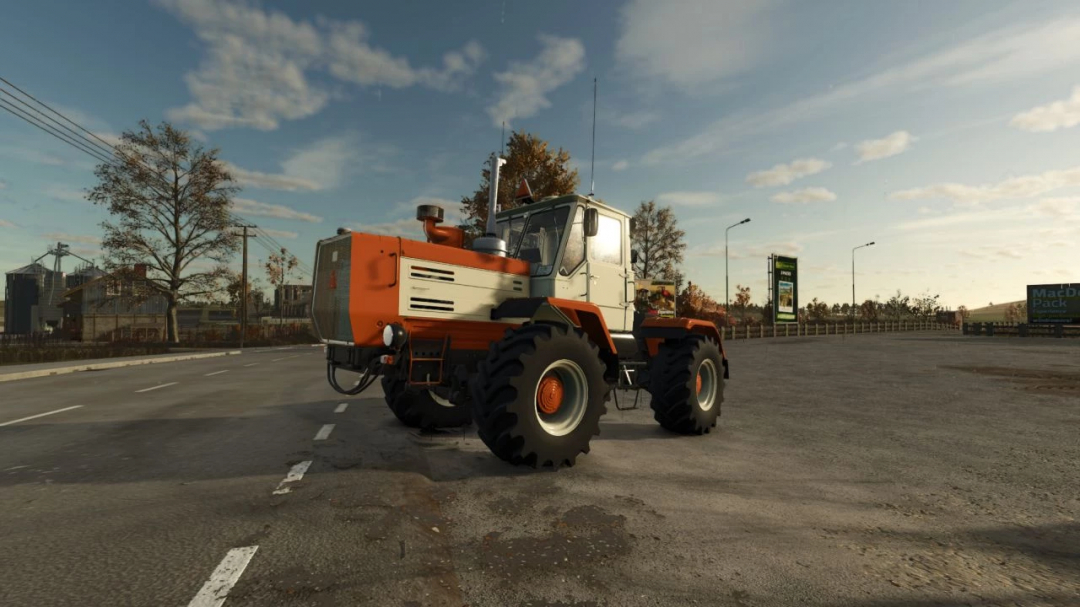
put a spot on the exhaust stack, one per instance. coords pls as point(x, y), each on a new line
point(490, 243)
point(432, 216)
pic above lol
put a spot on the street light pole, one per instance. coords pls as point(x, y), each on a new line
point(727, 293)
point(853, 277)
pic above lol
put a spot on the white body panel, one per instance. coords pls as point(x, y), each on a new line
point(431, 289)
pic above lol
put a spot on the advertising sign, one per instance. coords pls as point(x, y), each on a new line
point(785, 289)
point(655, 297)
point(1058, 304)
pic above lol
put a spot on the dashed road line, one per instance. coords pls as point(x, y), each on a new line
point(295, 473)
point(172, 383)
point(251, 365)
point(341, 408)
point(216, 589)
point(285, 358)
point(23, 419)
point(216, 373)
point(324, 432)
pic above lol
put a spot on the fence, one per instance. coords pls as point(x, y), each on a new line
point(821, 329)
point(1004, 329)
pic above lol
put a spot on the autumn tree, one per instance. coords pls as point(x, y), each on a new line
point(527, 157)
point(234, 293)
point(279, 268)
point(658, 240)
point(964, 312)
point(925, 306)
point(693, 302)
point(1016, 312)
point(169, 204)
point(869, 310)
point(898, 306)
point(742, 301)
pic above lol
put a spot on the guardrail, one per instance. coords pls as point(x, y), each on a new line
point(822, 329)
point(1016, 329)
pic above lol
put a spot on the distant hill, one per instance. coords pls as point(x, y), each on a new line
point(994, 313)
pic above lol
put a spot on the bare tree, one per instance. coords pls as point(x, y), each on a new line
point(169, 201)
point(658, 240)
point(279, 268)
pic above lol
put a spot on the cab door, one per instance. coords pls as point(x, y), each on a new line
point(606, 254)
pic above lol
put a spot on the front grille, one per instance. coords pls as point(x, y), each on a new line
point(436, 305)
point(330, 301)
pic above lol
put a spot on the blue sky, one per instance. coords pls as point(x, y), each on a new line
point(945, 132)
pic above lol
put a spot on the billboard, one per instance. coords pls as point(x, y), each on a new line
point(655, 297)
point(785, 286)
point(1058, 304)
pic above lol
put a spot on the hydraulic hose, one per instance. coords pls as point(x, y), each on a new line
point(365, 382)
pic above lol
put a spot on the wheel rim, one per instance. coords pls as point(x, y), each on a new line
point(561, 397)
point(706, 385)
point(442, 402)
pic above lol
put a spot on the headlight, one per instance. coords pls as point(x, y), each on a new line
point(393, 335)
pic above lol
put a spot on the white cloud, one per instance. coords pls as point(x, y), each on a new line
point(1007, 54)
point(761, 251)
point(3, 184)
point(523, 86)
point(1063, 208)
point(33, 155)
point(629, 120)
point(246, 206)
point(693, 42)
point(7, 224)
point(65, 194)
point(270, 181)
point(962, 219)
point(1025, 186)
point(66, 238)
point(255, 72)
point(689, 199)
point(1062, 114)
point(839, 147)
point(804, 196)
point(280, 233)
point(783, 174)
point(406, 227)
point(620, 165)
point(324, 161)
point(891, 145)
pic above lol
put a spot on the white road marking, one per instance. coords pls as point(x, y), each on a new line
point(23, 419)
point(216, 589)
point(251, 365)
point(341, 408)
point(216, 373)
point(295, 473)
point(172, 383)
point(285, 358)
point(324, 432)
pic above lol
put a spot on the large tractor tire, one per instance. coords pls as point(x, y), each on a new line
point(686, 382)
point(538, 396)
point(422, 408)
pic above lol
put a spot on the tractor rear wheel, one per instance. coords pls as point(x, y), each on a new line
point(422, 409)
point(539, 394)
point(686, 382)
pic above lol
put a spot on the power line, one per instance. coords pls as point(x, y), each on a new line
point(15, 111)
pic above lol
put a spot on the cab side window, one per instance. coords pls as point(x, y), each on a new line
point(575, 245)
point(606, 246)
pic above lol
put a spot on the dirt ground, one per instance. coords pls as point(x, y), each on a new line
point(872, 470)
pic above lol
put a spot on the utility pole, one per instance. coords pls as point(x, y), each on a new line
point(244, 285)
point(281, 289)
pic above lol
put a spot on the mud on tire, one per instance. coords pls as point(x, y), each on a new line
point(678, 403)
point(418, 409)
point(538, 396)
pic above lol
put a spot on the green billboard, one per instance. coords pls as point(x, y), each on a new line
point(1054, 304)
point(785, 288)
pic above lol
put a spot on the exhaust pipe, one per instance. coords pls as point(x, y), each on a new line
point(490, 243)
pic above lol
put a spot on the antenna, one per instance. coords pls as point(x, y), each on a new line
point(592, 171)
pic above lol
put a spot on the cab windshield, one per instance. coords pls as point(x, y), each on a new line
point(535, 238)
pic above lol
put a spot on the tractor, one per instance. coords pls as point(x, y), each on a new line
point(526, 333)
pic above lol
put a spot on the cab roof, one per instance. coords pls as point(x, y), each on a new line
point(548, 203)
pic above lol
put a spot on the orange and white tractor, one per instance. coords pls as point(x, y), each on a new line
point(526, 334)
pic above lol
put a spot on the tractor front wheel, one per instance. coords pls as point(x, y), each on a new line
point(539, 394)
point(686, 382)
point(422, 409)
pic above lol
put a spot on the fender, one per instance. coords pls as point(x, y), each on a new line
point(578, 313)
point(655, 330)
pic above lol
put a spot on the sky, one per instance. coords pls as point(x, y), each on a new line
point(945, 132)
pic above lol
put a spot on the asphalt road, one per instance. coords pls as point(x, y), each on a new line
point(872, 470)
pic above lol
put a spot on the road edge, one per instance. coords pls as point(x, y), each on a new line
point(111, 365)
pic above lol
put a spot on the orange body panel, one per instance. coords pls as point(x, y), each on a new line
point(691, 325)
point(463, 257)
point(587, 316)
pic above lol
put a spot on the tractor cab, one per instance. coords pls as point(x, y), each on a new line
point(578, 248)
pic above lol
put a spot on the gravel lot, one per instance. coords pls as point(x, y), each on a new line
point(872, 470)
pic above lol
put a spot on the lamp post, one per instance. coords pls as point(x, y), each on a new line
point(853, 277)
point(727, 294)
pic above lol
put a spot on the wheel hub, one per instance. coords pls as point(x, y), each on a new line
point(549, 395)
point(699, 382)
